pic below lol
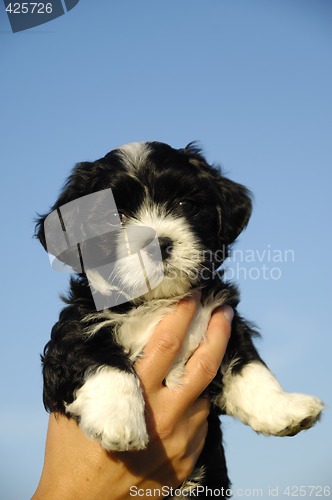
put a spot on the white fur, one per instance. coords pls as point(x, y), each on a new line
point(110, 407)
point(155, 279)
point(138, 272)
point(181, 267)
point(257, 399)
point(195, 335)
point(134, 154)
point(190, 485)
point(98, 282)
point(134, 329)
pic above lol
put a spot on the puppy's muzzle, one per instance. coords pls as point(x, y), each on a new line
point(165, 245)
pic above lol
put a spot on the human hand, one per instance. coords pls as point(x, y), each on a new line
point(77, 467)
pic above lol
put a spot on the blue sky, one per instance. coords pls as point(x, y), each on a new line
point(251, 80)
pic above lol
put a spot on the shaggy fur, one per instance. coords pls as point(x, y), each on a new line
point(197, 213)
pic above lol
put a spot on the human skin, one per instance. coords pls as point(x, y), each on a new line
point(76, 467)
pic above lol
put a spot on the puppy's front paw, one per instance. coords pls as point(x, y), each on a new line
point(110, 407)
point(120, 436)
point(283, 414)
point(294, 413)
point(257, 399)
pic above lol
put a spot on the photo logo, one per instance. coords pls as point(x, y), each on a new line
point(87, 236)
point(26, 15)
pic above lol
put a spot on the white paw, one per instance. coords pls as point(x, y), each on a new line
point(257, 399)
point(110, 407)
point(286, 414)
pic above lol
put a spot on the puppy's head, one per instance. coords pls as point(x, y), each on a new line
point(145, 206)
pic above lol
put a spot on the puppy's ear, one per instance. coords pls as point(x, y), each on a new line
point(79, 183)
point(235, 200)
point(235, 209)
point(50, 228)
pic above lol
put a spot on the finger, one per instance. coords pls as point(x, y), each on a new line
point(165, 343)
point(197, 441)
point(199, 410)
point(204, 364)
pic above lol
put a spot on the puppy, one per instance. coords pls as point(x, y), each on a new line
point(142, 228)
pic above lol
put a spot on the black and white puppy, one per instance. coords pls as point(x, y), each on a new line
point(196, 214)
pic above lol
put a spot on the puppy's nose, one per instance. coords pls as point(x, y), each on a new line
point(166, 246)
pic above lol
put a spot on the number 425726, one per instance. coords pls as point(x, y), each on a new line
point(29, 8)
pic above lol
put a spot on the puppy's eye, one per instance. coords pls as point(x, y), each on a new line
point(113, 218)
point(187, 204)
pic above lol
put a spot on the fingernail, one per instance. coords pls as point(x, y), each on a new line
point(194, 295)
point(227, 312)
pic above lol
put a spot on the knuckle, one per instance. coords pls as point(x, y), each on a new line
point(227, 330)
point(182, 446)
point(167, 343)
point(208, 366)
point(188, 465)
point(227, 327)
point(223, 324)
point(188, 305)
point(165, 428)
point(204, 406)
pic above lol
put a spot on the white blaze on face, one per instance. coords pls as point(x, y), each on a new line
point(134, 154)
point(182, 263)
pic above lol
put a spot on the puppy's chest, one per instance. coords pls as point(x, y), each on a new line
point(136, 328)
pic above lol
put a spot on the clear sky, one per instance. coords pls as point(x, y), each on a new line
point(251, 80)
